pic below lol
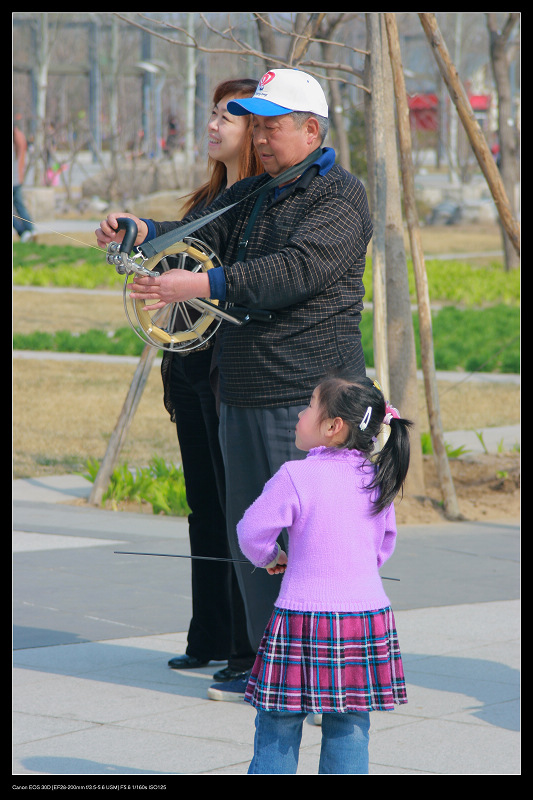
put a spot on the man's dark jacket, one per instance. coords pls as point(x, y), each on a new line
point(304, 260)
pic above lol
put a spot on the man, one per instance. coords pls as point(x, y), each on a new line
point(304, 259)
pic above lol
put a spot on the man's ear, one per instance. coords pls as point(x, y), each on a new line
point(312, 129)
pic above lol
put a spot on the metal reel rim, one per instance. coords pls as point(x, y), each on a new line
point(193, 337)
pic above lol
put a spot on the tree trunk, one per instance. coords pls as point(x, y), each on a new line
point(301, 43)
point(381, 360)
point(118, 437)
point(190, 93)
point(400, 332)
point(113, 109)
point(268, 41)
point(426, 335)
point(471, 126)
point(43, 56)
point(339, 132)
point(507, 132)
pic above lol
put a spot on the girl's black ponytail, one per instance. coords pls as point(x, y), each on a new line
point(392, 463)
point(361, 405)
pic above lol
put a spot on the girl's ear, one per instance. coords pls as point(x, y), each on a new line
point(335, 430)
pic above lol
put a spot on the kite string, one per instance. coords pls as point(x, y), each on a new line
point(46, 227)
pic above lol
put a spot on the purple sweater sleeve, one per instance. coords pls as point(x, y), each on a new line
point(389, 537)
point(276, 508)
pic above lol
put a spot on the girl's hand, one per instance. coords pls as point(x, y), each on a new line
point(281, 566)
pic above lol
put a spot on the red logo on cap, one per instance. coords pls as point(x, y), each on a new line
point(267, 77)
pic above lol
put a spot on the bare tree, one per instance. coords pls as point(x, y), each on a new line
point(267, 37)
point(329, 25)
point(475, 134)
point(43, 58)
point(502, 50)
point(424, 310)
point(379, 203)
point(305, 30)
point(400, 331)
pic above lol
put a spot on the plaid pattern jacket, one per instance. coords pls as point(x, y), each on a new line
point(304, 260)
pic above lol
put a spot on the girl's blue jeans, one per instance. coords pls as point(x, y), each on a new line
point(278, 734)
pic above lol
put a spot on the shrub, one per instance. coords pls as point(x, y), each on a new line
point(161, 485)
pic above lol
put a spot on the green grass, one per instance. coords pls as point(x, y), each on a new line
point(485, 340)
point(461, 283)
point(62, 265)
point(477, 329)
point(122, 342)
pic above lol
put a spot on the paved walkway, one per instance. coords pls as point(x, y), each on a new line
point(94, 700)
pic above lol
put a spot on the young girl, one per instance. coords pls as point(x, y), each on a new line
point(331, 646)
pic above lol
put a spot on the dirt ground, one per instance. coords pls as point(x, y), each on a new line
point(65, 412)
point(487, 487)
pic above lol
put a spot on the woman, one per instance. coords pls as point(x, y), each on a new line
point(217, 631)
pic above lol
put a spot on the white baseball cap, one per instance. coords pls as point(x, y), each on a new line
point(281, 91)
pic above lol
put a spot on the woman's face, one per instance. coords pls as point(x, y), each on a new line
point(226, 132)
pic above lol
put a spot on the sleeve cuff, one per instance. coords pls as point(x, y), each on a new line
point(151, 230)
point(275, 560)
point(217, 283)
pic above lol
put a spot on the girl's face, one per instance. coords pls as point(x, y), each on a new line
point(226, 132)
point(310, 431)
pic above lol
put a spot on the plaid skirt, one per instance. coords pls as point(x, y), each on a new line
point(321, 662)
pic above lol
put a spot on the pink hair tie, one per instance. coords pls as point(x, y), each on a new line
point(390, 412)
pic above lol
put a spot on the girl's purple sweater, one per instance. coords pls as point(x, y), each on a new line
point(336, 546)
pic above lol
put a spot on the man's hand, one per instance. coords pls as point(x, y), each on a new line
point(107, 232)
point(173, 286)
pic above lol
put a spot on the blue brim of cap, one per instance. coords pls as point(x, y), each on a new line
point(255, 105)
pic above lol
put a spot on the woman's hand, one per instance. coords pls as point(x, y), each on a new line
point(108, 232)
point(281, 565)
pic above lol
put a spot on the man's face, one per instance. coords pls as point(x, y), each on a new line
point(280, 143)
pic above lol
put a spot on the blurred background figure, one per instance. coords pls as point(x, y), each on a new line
point(21, 217)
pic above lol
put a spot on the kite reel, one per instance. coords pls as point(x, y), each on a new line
point(180, 326)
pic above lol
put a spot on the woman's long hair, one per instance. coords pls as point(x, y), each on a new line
point(249, 162)
point(353, 401)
